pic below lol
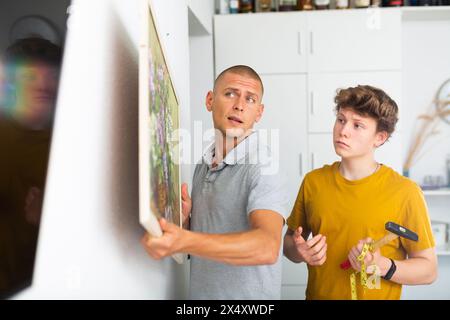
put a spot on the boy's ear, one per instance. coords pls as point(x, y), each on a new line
point(382, 137)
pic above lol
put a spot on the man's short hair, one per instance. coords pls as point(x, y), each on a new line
point(243, 71)
point(33, 50)
point(369, 101)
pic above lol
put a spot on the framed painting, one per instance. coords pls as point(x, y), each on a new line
point(159, 170)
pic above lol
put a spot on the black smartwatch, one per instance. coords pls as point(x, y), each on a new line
point(391, 271)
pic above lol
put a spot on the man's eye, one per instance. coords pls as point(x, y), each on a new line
point(229, 94)
point(251, 100)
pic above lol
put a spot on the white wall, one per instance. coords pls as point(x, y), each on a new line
point(203, 10)
point(202, 80)
point(426, 65)
point(89, 239)
point(10, 10)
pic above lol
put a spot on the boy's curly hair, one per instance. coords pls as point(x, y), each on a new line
point(369, 101)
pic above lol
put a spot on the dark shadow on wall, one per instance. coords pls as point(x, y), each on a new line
point(124, 170)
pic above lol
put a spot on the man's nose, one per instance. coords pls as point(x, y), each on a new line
point(239, 104)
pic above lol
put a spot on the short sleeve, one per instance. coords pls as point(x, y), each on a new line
point(268, 192)
point(415, 217)
point(298, 213)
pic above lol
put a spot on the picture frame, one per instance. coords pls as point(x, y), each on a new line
point(159, 119)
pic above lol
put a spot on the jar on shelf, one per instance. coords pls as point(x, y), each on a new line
point(342, 4)
point(322, 4)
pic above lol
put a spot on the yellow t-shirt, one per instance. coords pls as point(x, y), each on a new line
point(347, 211)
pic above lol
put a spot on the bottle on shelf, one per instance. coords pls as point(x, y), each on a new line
point(287, 5)
point(305, 5)
point(245, 6)
point(362, 3)
point(322, 4)
point(342, 4)
point(394, 3)
point(375, 3)
point(234, 6)
point(263, 5)
point(224, 7)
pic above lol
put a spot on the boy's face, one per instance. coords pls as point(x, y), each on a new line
point(235, 104)
point(356, 136)
point(35, 87)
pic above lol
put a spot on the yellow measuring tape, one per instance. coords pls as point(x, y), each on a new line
point(366, 248)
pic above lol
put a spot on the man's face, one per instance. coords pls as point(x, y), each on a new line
point(235, 104)
point(35, 87)
point(355, 136)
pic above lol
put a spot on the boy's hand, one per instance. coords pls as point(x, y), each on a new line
point(313, 251)
point(370, 258)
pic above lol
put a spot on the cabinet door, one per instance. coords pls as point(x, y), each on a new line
point(354, 40)
point(285, 117)
point(321, 150)
point(269, 42)
point(322, 90)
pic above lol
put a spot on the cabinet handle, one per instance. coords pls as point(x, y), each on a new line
point(312, 102)
point(312, 160)
point(300, 160)
point(299, 40)
point(311, 42)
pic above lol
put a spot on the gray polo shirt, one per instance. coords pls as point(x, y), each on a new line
point(222, 199)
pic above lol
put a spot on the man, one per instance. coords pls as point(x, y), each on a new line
point(27, 106)
point(347, 204)
point(237, 208)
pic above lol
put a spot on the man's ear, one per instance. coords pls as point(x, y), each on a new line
point(381, 138)
point(209, 100)
point(260, 112)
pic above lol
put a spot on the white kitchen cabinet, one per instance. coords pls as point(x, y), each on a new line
point(269, 43)
point(323, 86)
point(321, 151)
point(354, 40)
point(285, 116)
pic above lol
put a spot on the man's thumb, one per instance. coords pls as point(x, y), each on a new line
point(164, 224)
point(184, 192)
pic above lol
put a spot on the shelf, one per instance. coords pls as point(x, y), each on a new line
point(437, 192)
point(409, 13)
point(426, 13)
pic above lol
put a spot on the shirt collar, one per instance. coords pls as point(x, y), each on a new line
point(236, 154)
